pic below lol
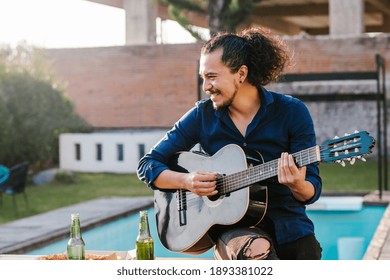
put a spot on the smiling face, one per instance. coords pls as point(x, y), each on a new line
point(218, 81)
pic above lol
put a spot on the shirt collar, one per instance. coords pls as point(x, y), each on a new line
point(266, 97)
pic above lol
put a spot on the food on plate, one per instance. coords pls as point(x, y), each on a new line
point(58, 257)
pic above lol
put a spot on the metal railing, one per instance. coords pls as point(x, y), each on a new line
point(379, 75)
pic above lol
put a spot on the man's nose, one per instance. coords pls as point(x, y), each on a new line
point(207, 86)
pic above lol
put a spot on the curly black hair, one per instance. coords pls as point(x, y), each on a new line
point(265, 54)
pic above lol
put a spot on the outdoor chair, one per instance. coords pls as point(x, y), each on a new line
point(4, 173)
point(16, 183)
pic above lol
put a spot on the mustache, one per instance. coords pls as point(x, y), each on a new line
point(213, 91)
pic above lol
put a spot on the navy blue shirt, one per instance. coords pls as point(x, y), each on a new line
point(282, 124)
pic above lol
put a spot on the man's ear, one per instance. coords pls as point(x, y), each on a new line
point(243, 72)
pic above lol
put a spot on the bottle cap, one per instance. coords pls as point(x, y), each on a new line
point(75, 216)
point(143, 212)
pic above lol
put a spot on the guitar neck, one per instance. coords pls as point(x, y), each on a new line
point(261, 172)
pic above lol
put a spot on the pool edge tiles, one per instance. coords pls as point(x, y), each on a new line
point(338, 203)
point(377, 248)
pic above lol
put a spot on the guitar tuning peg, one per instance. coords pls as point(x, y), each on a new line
point(346, 134)
point(361, 158)
point(336, 137)
point(352, 161)
point(341, 162)
point(346, 152)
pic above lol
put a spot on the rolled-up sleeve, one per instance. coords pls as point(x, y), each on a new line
point(182, 137)
point(149, 169)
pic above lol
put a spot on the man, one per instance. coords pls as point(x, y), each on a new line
point(235, 68)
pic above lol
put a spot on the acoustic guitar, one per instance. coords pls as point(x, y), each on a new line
point(184, 219)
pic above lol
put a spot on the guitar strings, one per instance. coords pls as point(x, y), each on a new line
point(229, 183)
point(261, 172)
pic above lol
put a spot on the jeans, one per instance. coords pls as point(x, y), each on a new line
point(232, 244)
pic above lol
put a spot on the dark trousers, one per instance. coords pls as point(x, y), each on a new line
point(305, 248)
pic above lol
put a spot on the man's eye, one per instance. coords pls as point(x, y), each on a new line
point(207, 77)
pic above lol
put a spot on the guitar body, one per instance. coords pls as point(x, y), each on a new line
point(183, 219)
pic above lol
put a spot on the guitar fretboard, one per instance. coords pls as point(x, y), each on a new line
point(254, 174)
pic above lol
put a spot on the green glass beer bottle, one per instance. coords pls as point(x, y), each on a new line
point(76, 244)
point(144, 243)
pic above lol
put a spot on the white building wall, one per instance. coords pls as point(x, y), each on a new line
point(88, 150)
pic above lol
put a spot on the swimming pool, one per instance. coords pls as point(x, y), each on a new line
point(334, 226)
point(351, 227)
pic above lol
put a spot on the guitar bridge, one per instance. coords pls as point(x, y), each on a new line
point(182, 207)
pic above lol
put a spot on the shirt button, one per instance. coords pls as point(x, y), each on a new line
point(245, 144)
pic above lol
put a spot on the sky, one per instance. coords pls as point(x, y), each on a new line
point(68, 24)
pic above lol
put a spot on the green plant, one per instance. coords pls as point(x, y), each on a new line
point(226, 15)
point(66, 178)
point(34, 111)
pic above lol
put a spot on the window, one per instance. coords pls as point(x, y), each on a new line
point(119, 148)
point(78, 151)
point(141, 150)
point(99, 152)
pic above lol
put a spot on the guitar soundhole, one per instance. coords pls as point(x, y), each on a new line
point(214, 197)
point(220, 188)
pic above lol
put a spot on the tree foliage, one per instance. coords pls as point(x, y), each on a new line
point(33, 110)
point(223, 15)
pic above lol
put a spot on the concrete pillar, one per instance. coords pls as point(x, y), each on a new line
point(346, 17)
point(386, 23)
point(140, 21)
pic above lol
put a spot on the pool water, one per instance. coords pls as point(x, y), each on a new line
point(331, 227)
point(119, 235)
point(334, 227)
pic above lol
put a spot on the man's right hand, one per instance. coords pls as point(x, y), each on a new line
point(203, 183)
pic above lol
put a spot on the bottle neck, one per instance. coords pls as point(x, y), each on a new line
point(144, 225)
point(75, 230)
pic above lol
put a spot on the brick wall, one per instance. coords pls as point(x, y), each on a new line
point(122, 87)
point(322, 54)
point(153, 85)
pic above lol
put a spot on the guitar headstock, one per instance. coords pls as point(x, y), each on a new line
point(347, 148)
